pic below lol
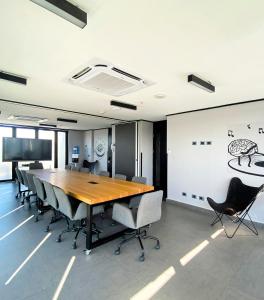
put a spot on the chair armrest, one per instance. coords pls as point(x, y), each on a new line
point(123, 215)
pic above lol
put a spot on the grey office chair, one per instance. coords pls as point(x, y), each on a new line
point(84, 170)
point(104, 173)
point(20, 182)
point(41, 197)
point(52, 201)
point(134, 201)
point(35, 166)
point(26, 184)
point(32, 188)
point(148, 212)
point(68, 167)
point(74, 211)
point(120, 176)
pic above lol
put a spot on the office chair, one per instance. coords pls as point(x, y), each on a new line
point(104, 173)
point(239, 200)
point(35, 166)
point(120, 176)
point(148, 212)
point(26, 184)
point(84, 170)
point(41, 197)
point(134, 201)
point(68, 167)
point(53, 202)
point(20, 183)
point(31, 187)
point(74, 211)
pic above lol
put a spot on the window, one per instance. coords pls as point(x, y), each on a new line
point(5, 167)
point(48, 135)
point(25, 133)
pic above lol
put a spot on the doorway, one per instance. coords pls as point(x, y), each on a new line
point(160, 156)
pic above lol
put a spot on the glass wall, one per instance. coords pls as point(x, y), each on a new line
point(61, 149)
point(5, 167)
point(48, 135)
point(24, 133)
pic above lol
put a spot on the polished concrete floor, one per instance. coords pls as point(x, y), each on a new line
point(192, 263)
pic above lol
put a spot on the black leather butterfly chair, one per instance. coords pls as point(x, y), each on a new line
point(239, 200)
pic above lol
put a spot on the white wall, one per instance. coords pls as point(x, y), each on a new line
point(89, 145)
point(145, 146)
point(203, 169)
point(75, 138)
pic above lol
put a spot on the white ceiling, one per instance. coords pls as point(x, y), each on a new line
point(164, 41)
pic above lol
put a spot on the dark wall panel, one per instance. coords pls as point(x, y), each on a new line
point(125, 152)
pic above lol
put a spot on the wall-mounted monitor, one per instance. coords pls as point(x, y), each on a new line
point(21, 149)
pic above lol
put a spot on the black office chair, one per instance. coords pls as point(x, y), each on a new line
point(20, 183)
point(239, 200)
point(35, 166)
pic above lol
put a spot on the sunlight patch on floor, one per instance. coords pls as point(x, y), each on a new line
point(154, 286)
point(190, 255)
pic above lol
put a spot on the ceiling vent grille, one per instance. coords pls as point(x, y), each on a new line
point(103, 77)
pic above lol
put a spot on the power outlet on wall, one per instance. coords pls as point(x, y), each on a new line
point(194, 143)
point(194, 196)
point(201, 198)
point(202, 143)
point(184, 194)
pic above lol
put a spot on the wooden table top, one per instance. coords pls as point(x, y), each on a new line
point(77, 184)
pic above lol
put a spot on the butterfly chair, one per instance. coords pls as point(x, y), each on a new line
point(239, 200)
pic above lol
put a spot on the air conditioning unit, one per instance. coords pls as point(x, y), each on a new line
point(27, 118)
point(106, 78)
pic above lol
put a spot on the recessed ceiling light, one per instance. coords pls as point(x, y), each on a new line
point(160, 96)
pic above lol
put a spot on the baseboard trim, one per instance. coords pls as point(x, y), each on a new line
point(202, 210)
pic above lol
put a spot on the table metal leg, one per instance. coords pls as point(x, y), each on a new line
point(89, 230)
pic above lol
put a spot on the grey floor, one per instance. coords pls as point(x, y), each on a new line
point(224, 269)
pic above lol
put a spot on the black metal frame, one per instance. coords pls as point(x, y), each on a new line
point(89, 226)
point(239, 219)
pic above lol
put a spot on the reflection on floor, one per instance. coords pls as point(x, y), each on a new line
point(195, 261)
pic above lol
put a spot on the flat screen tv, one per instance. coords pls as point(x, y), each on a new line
point(20, 149)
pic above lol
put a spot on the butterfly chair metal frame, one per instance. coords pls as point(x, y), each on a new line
point(236, 216)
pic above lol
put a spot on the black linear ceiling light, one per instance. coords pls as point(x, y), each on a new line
point(123, 105)
point(13, 78)
point(205, 85)
point(66, 10)
point(67, 120)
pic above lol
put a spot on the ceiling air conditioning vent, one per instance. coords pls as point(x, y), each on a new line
point(106, 78)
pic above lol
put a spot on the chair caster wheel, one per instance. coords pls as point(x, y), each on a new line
point(142, 257)
point(74, 245)
point(36, 220)
point(58, 239)
point(87, 252)
point(157, 246)
point(47, 229)
point(117, 252)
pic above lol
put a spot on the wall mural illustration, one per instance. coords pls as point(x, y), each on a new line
point(246, 155)
point(100, 149)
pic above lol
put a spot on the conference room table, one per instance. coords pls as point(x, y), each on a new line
point(93, 190)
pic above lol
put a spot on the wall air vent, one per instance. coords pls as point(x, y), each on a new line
point(106, 78)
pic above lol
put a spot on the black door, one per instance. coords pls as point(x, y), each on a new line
point(160, 156)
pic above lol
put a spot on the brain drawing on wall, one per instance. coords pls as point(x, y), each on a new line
point(247, 157)
point(241, 148)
